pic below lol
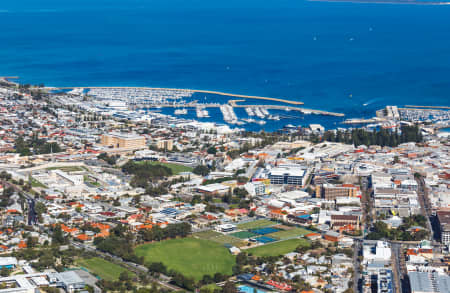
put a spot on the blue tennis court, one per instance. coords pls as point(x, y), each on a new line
point(265, 239)
point(264, 231)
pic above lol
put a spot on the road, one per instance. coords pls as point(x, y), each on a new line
point(366, 203)
point(397, 270)
point(251, 170)
point(356, 265)
point(426, 209)
point(425, 206)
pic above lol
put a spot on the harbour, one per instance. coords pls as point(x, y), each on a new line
point(140, 102)
point(192, 91)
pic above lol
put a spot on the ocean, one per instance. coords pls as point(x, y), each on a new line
point(352, 58)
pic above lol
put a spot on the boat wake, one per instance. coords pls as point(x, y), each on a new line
point(370, 102)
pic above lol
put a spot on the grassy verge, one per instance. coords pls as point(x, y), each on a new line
point(37, 184)
point(102, 268)
point(256, 224)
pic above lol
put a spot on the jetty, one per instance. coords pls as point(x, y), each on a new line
point(362, 121)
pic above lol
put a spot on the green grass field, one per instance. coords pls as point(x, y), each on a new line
point(190, 256)
point(210, 234)
point(217, 237)
point(68, 168)
point(210, 288)
point(278, 248)
point(256, 224)
point(243, 234)
point(87, 179)
point(102, 268)
point(176, 168)
point(35, 183)
point(226, 239)
point(286, 234)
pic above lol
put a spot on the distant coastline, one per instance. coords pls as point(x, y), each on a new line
point(412, 2)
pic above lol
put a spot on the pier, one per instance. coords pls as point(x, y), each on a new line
point(362, 121)
point(195, 91)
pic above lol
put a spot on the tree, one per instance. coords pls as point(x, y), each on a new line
point(211, 150)
point(4, 272)
point(31, 242)
point(58, 236)
point(123, 277)
point(229, 287)
point(201, 170)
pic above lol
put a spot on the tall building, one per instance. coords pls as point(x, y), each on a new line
point(165, 145)
point(122, 140)
point(287, 175)
point(331, 192)
point(443, 218)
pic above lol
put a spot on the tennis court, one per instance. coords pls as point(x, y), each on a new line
point(264, 239)
point(264, 231)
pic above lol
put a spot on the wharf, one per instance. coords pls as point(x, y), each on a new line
point(362, 121)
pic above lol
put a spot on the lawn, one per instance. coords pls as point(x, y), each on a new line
point(176, 168)
point(278, 248)
point(190, 256)
point(243, 234)
point(226, 239)
point(87, 179)
point(286, 234)
point(68, 168)
point(102, 268)
point(210, 288)
point(35, 183)
point(256, 224)
point(210, 234)
point(217, 237)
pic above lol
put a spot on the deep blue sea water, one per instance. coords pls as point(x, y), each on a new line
point(316, 52)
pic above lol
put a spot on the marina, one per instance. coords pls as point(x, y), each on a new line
point(201, 112)
point(181, 112)
point(174, 91)
point(228, 114)
point(154, 105)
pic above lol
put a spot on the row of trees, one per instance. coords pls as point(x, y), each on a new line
point(382, 137)
point(171, 231)
point(39, 146)
point(156, 268)
point(111, 160)
point(145, 172)
point(403, 232)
